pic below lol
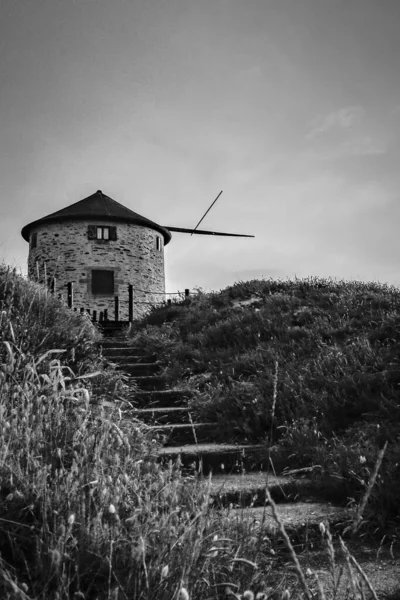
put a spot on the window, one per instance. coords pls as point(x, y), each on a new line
point(103, 282)
point(33, 240)
point(158, 243)
point(102, 232)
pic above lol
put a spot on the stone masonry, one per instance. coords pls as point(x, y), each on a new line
point(64, 251)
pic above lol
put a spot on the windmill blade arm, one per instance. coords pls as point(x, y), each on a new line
point(203, 232)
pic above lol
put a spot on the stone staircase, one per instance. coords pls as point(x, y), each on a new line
point(238, 470)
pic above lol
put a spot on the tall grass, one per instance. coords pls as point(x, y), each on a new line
point(86, 510)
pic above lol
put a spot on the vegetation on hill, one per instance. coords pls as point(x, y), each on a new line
point(333, 348)
point(86, 511)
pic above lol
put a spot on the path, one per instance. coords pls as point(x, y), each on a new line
point(238, 470)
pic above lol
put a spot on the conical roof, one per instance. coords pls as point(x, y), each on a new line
point(100, 207)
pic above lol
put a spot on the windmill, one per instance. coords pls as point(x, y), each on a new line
point(98, 249)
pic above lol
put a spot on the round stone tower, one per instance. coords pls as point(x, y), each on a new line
point(97, 248)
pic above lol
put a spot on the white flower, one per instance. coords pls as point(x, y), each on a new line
point(111, 509)
point(363, 460)
point(71, 520)
point(322, 528)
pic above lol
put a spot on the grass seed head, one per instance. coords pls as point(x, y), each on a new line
point(183, 594)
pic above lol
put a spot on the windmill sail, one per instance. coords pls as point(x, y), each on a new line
point(202, 232)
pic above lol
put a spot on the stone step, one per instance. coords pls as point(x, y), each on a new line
point(161, 398)
point(163, 415)
point(184, 433)
point(149, 382)
point(129, 358)
point(139, 369)
point(111, 346)
point(217, 458)
point(300, 519)
point(113, 331)
point(249, 489)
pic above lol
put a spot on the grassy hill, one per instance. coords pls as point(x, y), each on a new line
point(315, 363)
point(87, 511)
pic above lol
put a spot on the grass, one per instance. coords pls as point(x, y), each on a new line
point(336, 347)
point(86, 511)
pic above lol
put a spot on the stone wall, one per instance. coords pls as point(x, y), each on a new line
point(65, 252)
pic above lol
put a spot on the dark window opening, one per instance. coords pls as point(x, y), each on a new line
point(51, 284)
point(103, 282)
point(33, 240)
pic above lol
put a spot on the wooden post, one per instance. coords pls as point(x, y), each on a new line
point(116, 308)
point(70, 294)
point(130, 296)
point(187, 299)
point(94, 316)
point(106, 314)
point(101, 316)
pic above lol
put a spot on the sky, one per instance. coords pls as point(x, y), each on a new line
point(291, 107)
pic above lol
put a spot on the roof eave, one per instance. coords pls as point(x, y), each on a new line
point(25, 231)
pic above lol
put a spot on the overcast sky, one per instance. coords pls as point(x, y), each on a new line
point(292, 107)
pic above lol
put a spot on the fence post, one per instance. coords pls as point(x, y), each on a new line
point(116, 308)
point(106, 314)
point(101, 316)
point(187, 293)
point(130, 302)
point(94, 316)
point(70, 294)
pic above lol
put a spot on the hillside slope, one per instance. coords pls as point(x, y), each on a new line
point(314, 362)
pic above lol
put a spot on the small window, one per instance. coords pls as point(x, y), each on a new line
point(33, 240)
point(103, 233)
point(103, 282)
point(158, 243)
